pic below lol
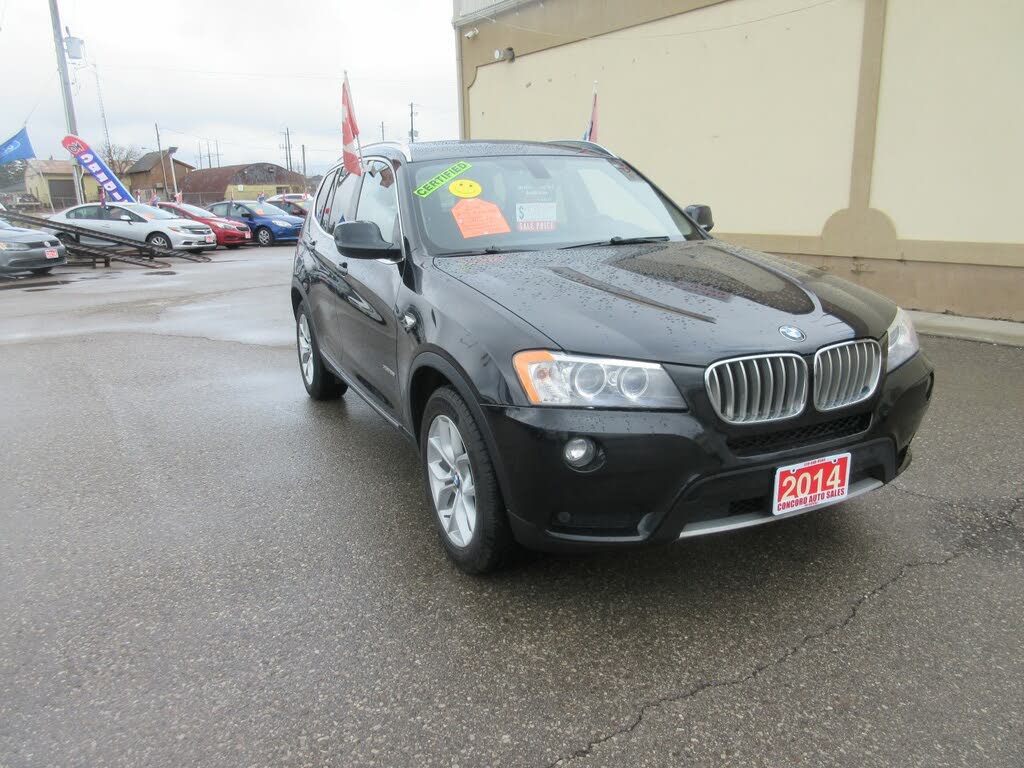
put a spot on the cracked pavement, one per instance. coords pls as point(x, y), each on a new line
point(200, 566)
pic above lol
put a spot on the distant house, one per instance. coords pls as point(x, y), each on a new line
point(151, 174)
point(243, 182)
point(52, 183)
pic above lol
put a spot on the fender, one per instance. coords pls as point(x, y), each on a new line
point(443, 363)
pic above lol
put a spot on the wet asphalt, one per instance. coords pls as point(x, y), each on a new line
point(201, 566)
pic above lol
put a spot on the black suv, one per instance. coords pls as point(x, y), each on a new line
point(580, 363)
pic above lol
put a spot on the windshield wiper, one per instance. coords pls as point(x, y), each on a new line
point(619, 241)
point(480, 251)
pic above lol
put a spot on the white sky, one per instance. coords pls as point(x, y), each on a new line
point(235, 70)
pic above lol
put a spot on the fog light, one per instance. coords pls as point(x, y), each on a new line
point(579, 452)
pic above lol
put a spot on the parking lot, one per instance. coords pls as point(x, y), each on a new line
point(201, 566)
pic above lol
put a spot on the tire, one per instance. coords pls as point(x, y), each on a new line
point(42, 271)
point(264, 236)
point(489, 543)
point(67, 237)
point(159, 240)
point(320, 383)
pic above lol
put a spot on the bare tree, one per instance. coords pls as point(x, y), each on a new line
point(120, 157)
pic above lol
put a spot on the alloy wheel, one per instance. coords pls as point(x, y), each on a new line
point(305, 349)
point(264, 237)
point(452, 486)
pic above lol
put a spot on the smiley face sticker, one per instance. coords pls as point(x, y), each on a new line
point(465, 188)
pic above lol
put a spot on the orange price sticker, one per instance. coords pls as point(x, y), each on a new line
point(476, 218)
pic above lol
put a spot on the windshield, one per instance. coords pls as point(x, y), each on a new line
point(195, 210)
point(148, 211)
point(535, 202)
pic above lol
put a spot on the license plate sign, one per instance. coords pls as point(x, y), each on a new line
point(810, 483)
point(209, 238)
point(51, 253)
point(248, 235)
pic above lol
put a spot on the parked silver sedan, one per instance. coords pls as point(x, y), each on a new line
point(29, 250)
point(137, 221)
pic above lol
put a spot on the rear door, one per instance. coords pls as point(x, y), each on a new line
point(334, 205)
point(366, 306)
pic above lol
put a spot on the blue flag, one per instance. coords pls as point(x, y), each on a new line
point(18, 147)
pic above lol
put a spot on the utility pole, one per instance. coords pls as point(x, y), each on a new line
point(174, 178)
point(65, 85)
point(160, 152)
point(382, 130)
point(304, 177)
point(209, 155)
point(216, 143)
point(200, 156)
point(412, 126)
point(288, 149)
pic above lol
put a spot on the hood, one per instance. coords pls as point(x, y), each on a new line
point(22, 235)
point(676, 302)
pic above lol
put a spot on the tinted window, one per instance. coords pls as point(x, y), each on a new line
point(86, 212)
point(239, 210)
point(220, 209)
point(341, 203)
point(378, 202)
point(323, 199)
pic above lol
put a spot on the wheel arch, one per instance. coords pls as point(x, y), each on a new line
point(431, 370)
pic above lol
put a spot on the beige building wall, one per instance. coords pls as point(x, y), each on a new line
point(949, 157)
point(878, 139)
point(718, 117)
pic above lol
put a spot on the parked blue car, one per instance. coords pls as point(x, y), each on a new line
point(269, 224)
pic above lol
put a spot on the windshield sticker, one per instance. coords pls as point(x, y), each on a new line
point(476, 218)
point(260, 212)
point(429, 187)
point(148, 216)
point(465, 188)
point(536, 217)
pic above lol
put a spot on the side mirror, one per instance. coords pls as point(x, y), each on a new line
point(126, 217)
point(362, 240)
point(702, 215)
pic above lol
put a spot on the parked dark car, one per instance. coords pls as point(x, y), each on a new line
point(29, 250)
point(298, 208)
point(580, 363)
point(268, 223)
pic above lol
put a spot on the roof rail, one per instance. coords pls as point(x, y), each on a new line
point(593, 146)
point(401, 146)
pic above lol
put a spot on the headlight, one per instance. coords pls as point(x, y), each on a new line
point(903, 343)
point(14, 246)
point(175, 229)
point(285, 224)
point(555, 378)
point(223, 226)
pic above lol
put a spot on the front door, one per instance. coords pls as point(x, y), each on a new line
point(366, 306)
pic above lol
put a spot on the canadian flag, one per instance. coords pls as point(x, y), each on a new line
point(352, 154)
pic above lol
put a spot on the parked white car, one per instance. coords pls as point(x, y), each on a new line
point(138, 222)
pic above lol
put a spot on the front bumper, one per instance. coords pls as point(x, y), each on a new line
point(33, 258)
point(232, 237)
point(666, 475)
point(191, 240)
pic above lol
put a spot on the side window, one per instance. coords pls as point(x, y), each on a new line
point(378, 201)
point(322, 206)
point(341, 204)
point(239, 210)
point(220, 209)
point(86, 212)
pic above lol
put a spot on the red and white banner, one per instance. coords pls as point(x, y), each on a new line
point(352, 154)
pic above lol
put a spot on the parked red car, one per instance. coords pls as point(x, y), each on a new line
point(230, 234)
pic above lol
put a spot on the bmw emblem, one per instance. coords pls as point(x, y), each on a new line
point(792, 333)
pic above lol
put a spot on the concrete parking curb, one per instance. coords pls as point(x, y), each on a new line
point(970, 328)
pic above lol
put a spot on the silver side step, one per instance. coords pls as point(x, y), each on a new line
point(704, 527)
